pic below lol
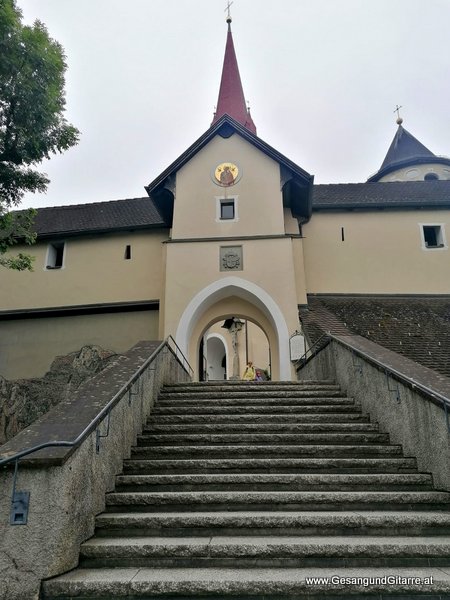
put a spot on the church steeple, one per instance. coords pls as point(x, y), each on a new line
point(404, 147)
point(406, 151)
point(231, 99)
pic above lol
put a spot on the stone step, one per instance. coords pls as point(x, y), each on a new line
point(266, 451)
point(270, 482)
point(250, 401)
point(251, 395)
point(272, 465)
point(176, 428)
point(265, 523)
point(210, 386)
point(213, 409)
point(242, 438)
point(256, 419)
point(262, 551)
point(339, 523)
point(249, 584)
point(235, 501)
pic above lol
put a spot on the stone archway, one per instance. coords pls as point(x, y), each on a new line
point(232, 295)
point(232, 342)
point(216, 351)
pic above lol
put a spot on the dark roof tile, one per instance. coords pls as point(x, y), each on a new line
point(132, 213)
point(406, 151)
point(397, 194)
point(404, 146)
point(416, 327)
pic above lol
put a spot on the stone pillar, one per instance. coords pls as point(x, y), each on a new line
point(235, 328)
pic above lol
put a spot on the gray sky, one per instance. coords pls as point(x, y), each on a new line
point(322, 76)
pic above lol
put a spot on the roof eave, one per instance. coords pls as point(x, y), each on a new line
point(445, 205)
point(98, 230)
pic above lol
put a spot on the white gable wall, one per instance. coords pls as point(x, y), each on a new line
point(260, 208)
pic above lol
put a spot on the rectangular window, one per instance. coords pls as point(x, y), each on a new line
point(226, 209)
point(433, 236)
point(127, 252)
point(55, 255)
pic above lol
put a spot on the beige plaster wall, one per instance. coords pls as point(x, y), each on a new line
point(290, 223)
point(383, 253)
point(418, 172)
point(258, 346)
point(162, 296)
point(258, 192)
point(27, 347)
point(299, 270)
point(94, 271)
point(195, 265)
point(267, 263)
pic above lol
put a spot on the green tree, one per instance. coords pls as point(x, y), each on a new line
point(32, 123)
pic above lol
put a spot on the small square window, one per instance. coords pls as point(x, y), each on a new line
point(227, 209)
point(127, 255)
point(432, 235)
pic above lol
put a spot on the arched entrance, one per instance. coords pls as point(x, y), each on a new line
point(216, 351)
point(226, 346)
point(227, 298)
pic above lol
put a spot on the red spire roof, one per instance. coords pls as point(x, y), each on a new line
point(231, 95)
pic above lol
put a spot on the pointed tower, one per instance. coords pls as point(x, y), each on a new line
point(231, 99)
point(409, 160)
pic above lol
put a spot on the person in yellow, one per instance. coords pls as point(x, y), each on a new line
point(250, 372)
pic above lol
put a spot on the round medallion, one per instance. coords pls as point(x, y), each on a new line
point(226, 174)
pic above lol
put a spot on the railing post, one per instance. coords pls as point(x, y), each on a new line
point(395, 390)
point(20, 501)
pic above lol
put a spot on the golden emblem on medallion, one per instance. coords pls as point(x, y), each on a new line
point(226, 174)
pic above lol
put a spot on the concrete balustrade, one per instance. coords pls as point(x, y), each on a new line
point(413, 418)
point(67, 486)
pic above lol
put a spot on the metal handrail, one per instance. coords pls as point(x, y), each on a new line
point(299, 362)
point(413, 383)
point(442, 401)
point(105, 410)
point(189, 369)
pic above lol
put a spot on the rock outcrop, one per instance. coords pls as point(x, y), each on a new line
point(22, 401)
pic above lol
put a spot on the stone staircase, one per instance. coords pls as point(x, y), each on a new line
point(242, 491)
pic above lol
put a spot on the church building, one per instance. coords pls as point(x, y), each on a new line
point(234, 252)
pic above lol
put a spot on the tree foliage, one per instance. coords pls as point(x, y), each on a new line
point(32, 122)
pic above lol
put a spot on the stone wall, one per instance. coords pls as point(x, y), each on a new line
point(389, 387)
point(24, 400)
point(67, 486)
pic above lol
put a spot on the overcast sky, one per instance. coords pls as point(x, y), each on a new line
point(323, 78)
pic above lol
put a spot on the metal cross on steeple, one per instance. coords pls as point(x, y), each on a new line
point(228, 9)
point(397, 110)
